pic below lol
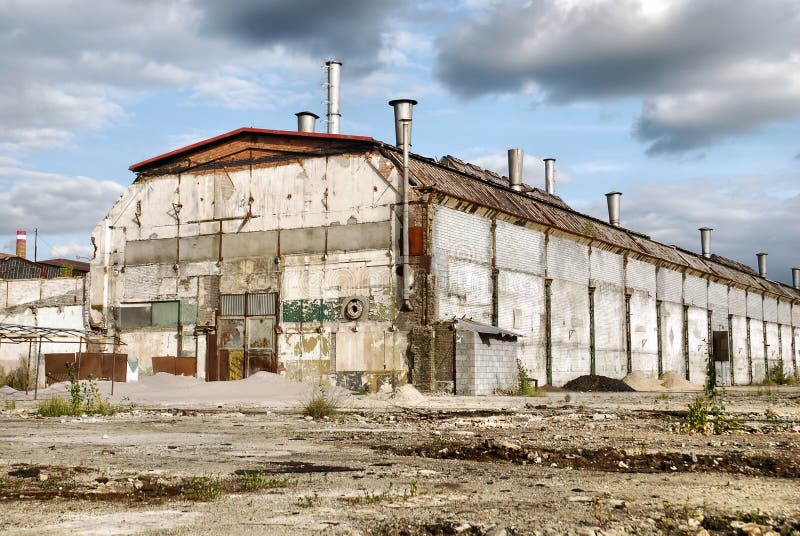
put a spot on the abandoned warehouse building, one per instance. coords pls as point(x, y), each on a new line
point(284, 251)
point(337, 259)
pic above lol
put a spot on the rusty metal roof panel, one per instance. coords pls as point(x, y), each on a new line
point(477, 172)
point(538, 207)
point(658, 250)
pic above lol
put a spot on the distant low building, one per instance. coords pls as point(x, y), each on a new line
point(15, 267)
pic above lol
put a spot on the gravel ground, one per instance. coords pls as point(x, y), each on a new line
point(567, 463)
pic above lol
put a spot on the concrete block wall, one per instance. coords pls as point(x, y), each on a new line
point(681, 302)
point(484, 364)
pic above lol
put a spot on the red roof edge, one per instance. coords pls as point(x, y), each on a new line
point(247, 130)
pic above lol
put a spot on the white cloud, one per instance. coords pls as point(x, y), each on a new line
point(73, 66)
point(52, 202)
point(704, 71)
point(72, 250)
point(746, 218)
point(532, 167)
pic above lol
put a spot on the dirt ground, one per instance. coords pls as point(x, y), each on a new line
point(567, 463)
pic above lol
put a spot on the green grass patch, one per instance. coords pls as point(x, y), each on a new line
point(321, 405)
point(203, 488)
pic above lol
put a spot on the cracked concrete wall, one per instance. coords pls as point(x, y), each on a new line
point(318, 228)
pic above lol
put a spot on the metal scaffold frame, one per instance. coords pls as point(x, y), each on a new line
point(19, 334)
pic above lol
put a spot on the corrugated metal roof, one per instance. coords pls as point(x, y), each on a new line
point(477, 327)
point(465, 182)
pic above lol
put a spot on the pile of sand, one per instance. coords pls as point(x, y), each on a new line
point(639, 381)
point(675, 382)
point(407, 395)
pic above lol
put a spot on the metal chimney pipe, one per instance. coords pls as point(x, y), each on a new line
point(796, 278)
point(762, 264)
point(403, 110)
point(334, 81)
point(515, 157)
point(22, 243)
point(550, 175)
point(705, 241)
point(306, 121)
point(612, 199)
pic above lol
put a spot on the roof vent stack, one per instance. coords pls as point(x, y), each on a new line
point(306, 121)
point(762, 264)
point(22, 243)
point(550, 175)
point(796, 278)
point(612, 198)
point(334, 81)
point(705, 241)
point(403, 111)
point(515, 157)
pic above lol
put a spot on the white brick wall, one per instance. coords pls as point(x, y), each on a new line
point(740, 366)
point(669, 285)
point(519, 249)
point(695, 291)
point(484, 365)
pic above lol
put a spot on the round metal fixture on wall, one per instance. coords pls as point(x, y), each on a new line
point(354, 309)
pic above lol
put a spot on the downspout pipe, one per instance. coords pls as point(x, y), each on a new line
point(406, 130)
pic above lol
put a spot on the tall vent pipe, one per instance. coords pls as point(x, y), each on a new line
point(515, 157)
point(762, 264)
point(306, 121)
point(550, 175)
point(796, 278)
point(612, 199)
point(22, 243)
point(403, 110)
point(705, 241)
point(334, 81)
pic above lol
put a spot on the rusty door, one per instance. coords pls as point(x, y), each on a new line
point(212, 361)
point(230, 348)
point(261, 344)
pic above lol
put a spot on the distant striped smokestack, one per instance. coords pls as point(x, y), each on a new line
point(22, 243)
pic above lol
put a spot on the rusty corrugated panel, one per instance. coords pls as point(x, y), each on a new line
point(472, 170)
point(463, 181)
point(657, 250)
point(261, 304)
point(231, 304)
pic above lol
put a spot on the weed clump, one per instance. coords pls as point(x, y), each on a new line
point(707, 413)
point(84, 398)
point(777, 376)
point(321, 405)
point(19, 378)
point(203, 488)
point(525, 385)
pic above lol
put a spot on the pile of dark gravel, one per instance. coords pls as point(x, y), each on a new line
point(590, 383)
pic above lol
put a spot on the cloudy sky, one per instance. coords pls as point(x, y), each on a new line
point(690, 108)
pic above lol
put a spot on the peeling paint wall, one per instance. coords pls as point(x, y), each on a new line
point(521, 265)
point(740, 363)
point(568, 266)
point(641, 282)
point(607, 277)
point(315, 231)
